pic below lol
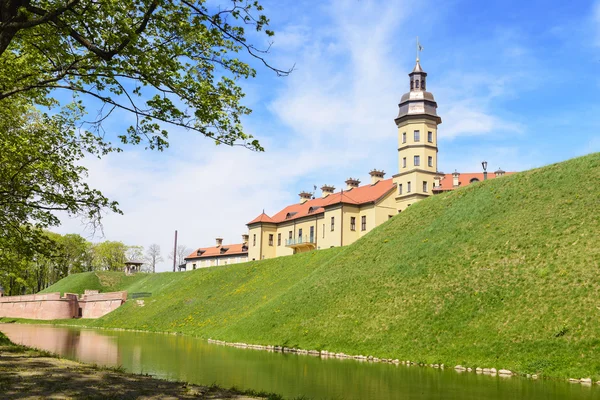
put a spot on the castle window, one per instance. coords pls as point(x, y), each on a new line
point(300, 234)
point(400, 188)
point(430, 161)
point(290, 235)
point(271, 239)
point(279, 239)
point(352, 223)
point(412, 85)
point(424, 186)
point(430, 137)
point(193, 266)
point(404, 162)
point(323, 231)
point(404, 137)
point(417, 161)
point(332, 223)
point(254, 240)
point(474, 180)
point(363, 223)
point(408, 187)
point(417, 136)
point(417, 84)
point(423, 84)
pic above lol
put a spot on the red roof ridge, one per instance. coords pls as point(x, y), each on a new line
point(205, 252)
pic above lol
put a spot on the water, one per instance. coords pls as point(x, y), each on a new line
point(194, 360)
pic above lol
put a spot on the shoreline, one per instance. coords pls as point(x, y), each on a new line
point(491, 371)
point(33, 373)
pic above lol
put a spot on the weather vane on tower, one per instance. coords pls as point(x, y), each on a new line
point(419, 49)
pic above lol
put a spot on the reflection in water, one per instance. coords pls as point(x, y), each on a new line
point(193, 360)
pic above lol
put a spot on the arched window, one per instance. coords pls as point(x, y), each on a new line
point(412, 84)
point(417, 84)
point(474, 180)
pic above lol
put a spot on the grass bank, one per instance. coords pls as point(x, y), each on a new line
point(503, 273)
point(30, 373)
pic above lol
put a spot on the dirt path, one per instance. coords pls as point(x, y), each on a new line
point(28, 374)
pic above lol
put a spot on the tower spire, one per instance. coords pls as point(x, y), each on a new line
point(419, 50)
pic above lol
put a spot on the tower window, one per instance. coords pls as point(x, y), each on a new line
point(404, 162)
point(352, 223)
point(404, 137)
point(430, 161)
point(417, 136)
point(363, 223)
point(424, 186)
point(408, 187)
point(417, 83)
point(412, 85)
point(400, 189)
point(417, 161)
point(423, 84)
point(254, 240)
point(430, 137)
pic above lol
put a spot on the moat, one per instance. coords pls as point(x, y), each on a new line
point(194, 360)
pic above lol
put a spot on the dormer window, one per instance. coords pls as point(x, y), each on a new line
point(312, 210)
point(290, 215)
point(200, 252)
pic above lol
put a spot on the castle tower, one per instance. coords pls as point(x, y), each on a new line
point(417, 123)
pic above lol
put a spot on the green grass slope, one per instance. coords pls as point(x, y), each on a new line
point(504, 273)
point(102, 281)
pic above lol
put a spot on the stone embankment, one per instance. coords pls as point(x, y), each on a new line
point(49, 306)
point(503, 373)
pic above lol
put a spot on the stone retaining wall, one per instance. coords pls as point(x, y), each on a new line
point(53, 306)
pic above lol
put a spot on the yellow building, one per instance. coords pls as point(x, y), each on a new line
point(339, 219)
point(334, 219)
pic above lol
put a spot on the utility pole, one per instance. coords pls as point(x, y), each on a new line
point(175, 252)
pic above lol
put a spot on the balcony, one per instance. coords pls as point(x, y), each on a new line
point(301, 243)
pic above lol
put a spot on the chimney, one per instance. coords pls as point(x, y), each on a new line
point(455, 181)
point(245, 238)
point(352, 183)
point(327, 190)
point(376, 176)
point(219, 242)
point(499, 173)
point(305, 196)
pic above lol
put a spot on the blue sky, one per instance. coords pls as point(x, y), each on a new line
point(516, 83)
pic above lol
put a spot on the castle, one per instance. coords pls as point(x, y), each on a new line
point(340, 218)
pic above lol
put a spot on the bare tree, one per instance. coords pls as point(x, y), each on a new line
point(182, 252)
point(153, 256)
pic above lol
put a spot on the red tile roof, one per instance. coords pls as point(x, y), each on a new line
point(261, 218)
point(223, 250)
point(359, 195)
point(446, 183)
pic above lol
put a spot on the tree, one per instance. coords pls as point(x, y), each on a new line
point(164, 61)
point(110, 256)
point(169, 63)
point(153, 256)
point(182, 252)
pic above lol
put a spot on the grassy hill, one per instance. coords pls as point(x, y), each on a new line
point(504, 273)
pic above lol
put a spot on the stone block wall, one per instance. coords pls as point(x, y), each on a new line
point(53, 306)
point(36, 306)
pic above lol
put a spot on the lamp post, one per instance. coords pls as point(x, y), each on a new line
point(484, 165)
